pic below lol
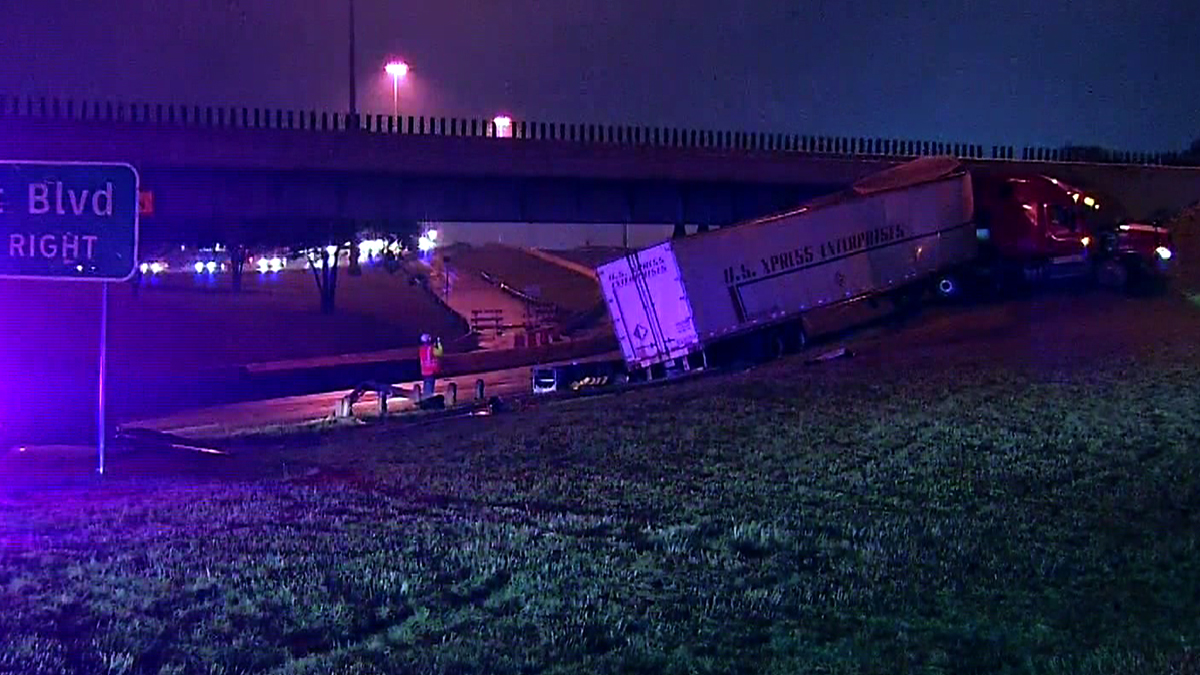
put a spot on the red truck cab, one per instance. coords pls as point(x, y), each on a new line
point(1135, 255)
point(1033, 227)
point(1030, 227)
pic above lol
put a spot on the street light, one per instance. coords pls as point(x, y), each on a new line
point(503, 126)
point(398, 70)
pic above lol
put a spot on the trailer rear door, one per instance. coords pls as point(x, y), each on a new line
point(651, 315)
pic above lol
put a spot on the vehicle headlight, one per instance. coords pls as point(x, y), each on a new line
point(1163, 253)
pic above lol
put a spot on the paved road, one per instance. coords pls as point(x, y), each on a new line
point(229, 419)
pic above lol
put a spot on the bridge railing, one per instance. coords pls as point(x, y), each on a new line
point(658, 137)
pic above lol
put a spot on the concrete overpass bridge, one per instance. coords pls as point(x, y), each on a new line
point(252, 173)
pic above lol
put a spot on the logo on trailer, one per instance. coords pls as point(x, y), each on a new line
point(641, 332)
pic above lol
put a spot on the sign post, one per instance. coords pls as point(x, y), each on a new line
point(71, 221)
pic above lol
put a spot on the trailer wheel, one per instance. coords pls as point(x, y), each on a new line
point(797, 338)
point(1113, 274)
point(948, 287)
point(906, 303)
point(776, 345)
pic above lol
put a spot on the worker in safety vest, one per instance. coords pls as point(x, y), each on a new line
point(431, 362)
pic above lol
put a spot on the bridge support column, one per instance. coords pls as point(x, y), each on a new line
point(679, 232)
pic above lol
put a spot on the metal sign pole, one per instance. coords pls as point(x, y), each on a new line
point(95, 240)
point(100, 432)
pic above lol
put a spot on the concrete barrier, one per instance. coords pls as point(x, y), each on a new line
point(562, 262)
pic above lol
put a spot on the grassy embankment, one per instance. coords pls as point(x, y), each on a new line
point(1016, 494)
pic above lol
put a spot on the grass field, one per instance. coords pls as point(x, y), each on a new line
point(1006, 489)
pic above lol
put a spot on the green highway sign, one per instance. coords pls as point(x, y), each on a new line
point(68, 221)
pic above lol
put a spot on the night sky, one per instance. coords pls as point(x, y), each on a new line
point(1121, 73)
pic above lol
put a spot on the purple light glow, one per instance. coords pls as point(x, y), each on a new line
point(503, 126)
point(397, 69)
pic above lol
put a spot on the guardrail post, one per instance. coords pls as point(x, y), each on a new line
point(452, 393)
point(478, 390)
point(383, 403)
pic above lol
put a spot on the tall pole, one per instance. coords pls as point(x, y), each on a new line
point(100, 421)
point(395, 96)
point(353, 92)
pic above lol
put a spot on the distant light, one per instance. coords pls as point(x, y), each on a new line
point(397, 69)
point(263, 265)
point(424, 244)
point(371, 247)
point(211, 267)
point(1086, 241)
point(144, 268)
point(1124, 228)
point(276, 264)
point(1163, 252)
point(1088, 201)
point(1075, 196)
point(157, 267)
point(199, 267)
point(79, 268)
point(331, 249)
point(432, 234)
point(503, 126)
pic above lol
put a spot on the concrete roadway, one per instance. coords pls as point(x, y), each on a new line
point(237, 418)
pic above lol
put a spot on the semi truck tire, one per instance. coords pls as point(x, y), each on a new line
point(776, 344)
point(949, 287)
point(1112, 274)
point(907, 302)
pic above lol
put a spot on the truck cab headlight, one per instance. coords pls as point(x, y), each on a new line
point(1163, 253)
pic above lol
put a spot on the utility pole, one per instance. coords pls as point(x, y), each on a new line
point(353, 92)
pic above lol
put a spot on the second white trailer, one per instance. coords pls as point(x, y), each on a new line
point(899, 228)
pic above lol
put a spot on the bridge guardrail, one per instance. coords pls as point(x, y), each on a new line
point(621, 135)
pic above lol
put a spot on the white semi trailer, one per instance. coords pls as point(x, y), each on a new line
point(760, 285)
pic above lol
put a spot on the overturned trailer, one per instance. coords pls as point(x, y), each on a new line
point(761, 286)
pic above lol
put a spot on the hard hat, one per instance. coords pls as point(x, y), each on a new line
point(425, 337)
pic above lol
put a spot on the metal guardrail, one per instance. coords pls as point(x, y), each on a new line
point(194, 116)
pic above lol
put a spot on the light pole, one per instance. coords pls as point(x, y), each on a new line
point(398, 70)
point(353, 93)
